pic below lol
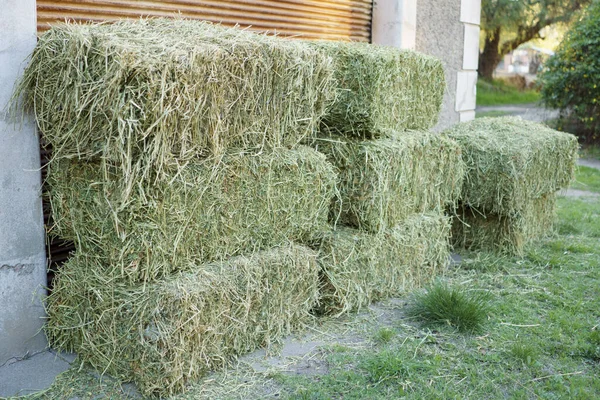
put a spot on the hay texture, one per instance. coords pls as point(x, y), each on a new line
point(210, 210)
point(501, 233)
point(358, 268)
point(163, 335)
point(510, 162)
point(144, 93)
point(383, 181)
point(382, 88)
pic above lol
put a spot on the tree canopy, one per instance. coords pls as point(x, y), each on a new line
point(571, 80)
point(509, 23)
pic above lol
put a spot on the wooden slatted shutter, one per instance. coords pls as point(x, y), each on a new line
point(312, 19)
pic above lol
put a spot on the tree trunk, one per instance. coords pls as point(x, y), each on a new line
point(490, 56)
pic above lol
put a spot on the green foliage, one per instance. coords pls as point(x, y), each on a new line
point(443, 305)
point(519, 15)
point(491, 93)
point(571, 81)
point(507, 24)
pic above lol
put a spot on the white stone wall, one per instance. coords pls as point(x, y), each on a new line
point(466, 87)
point(394, 23)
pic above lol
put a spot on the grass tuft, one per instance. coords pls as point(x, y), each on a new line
point(384, 335)
point(385, 365)
point(524, 352)
point(442, 305)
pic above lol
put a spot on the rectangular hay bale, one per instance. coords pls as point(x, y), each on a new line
point(358, 268)
point(382, 88)
point(477, 230)
point(157, 89)
point(383, 181)
point(167, 334)
point(511, 161)
point(208, 211)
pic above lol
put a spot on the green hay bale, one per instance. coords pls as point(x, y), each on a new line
point(474, 230)
point(511, 161)
point(383, 181)
point(165, 335)
point(359, 268)
point(210, 210)
point(144, 92)
point(382, 88)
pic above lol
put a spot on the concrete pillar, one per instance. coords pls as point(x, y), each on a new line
point(449, 30)
point(22, 256)
point(394, 23)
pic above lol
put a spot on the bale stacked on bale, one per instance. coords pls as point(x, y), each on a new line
point(147, 93)
point(176, 146)
point(389, 233)
point(208, 211)
point(514, 168)
point(166, 334)
point(381, 88)
point(384, 181)
point(360, 267)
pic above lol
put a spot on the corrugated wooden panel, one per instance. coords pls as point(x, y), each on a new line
point(312, 19)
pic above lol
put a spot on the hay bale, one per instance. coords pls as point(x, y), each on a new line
point(141, 93)
point(358, 268)
point(511, 161)
point(210, 210)
point(382, 88)
point(164, 335)
point(474, 230)
point(383, 181)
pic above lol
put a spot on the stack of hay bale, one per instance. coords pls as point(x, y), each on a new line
point(395, 178)
point(178, 174)
point(514, 168)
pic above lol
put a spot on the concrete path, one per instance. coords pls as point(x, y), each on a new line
point(531, 112)
point(19, 377)
point(588, 162)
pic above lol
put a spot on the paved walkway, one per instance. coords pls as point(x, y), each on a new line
point(23, 376)
point(531, 112)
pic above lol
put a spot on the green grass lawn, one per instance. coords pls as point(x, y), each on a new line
point(539, 336)
point(587, 179)
point(498, 92)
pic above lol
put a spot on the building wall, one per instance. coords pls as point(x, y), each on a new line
point(440, 34)
point(22, 256)
point(446, 29)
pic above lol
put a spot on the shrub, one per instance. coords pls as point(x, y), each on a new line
point(571, 80)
